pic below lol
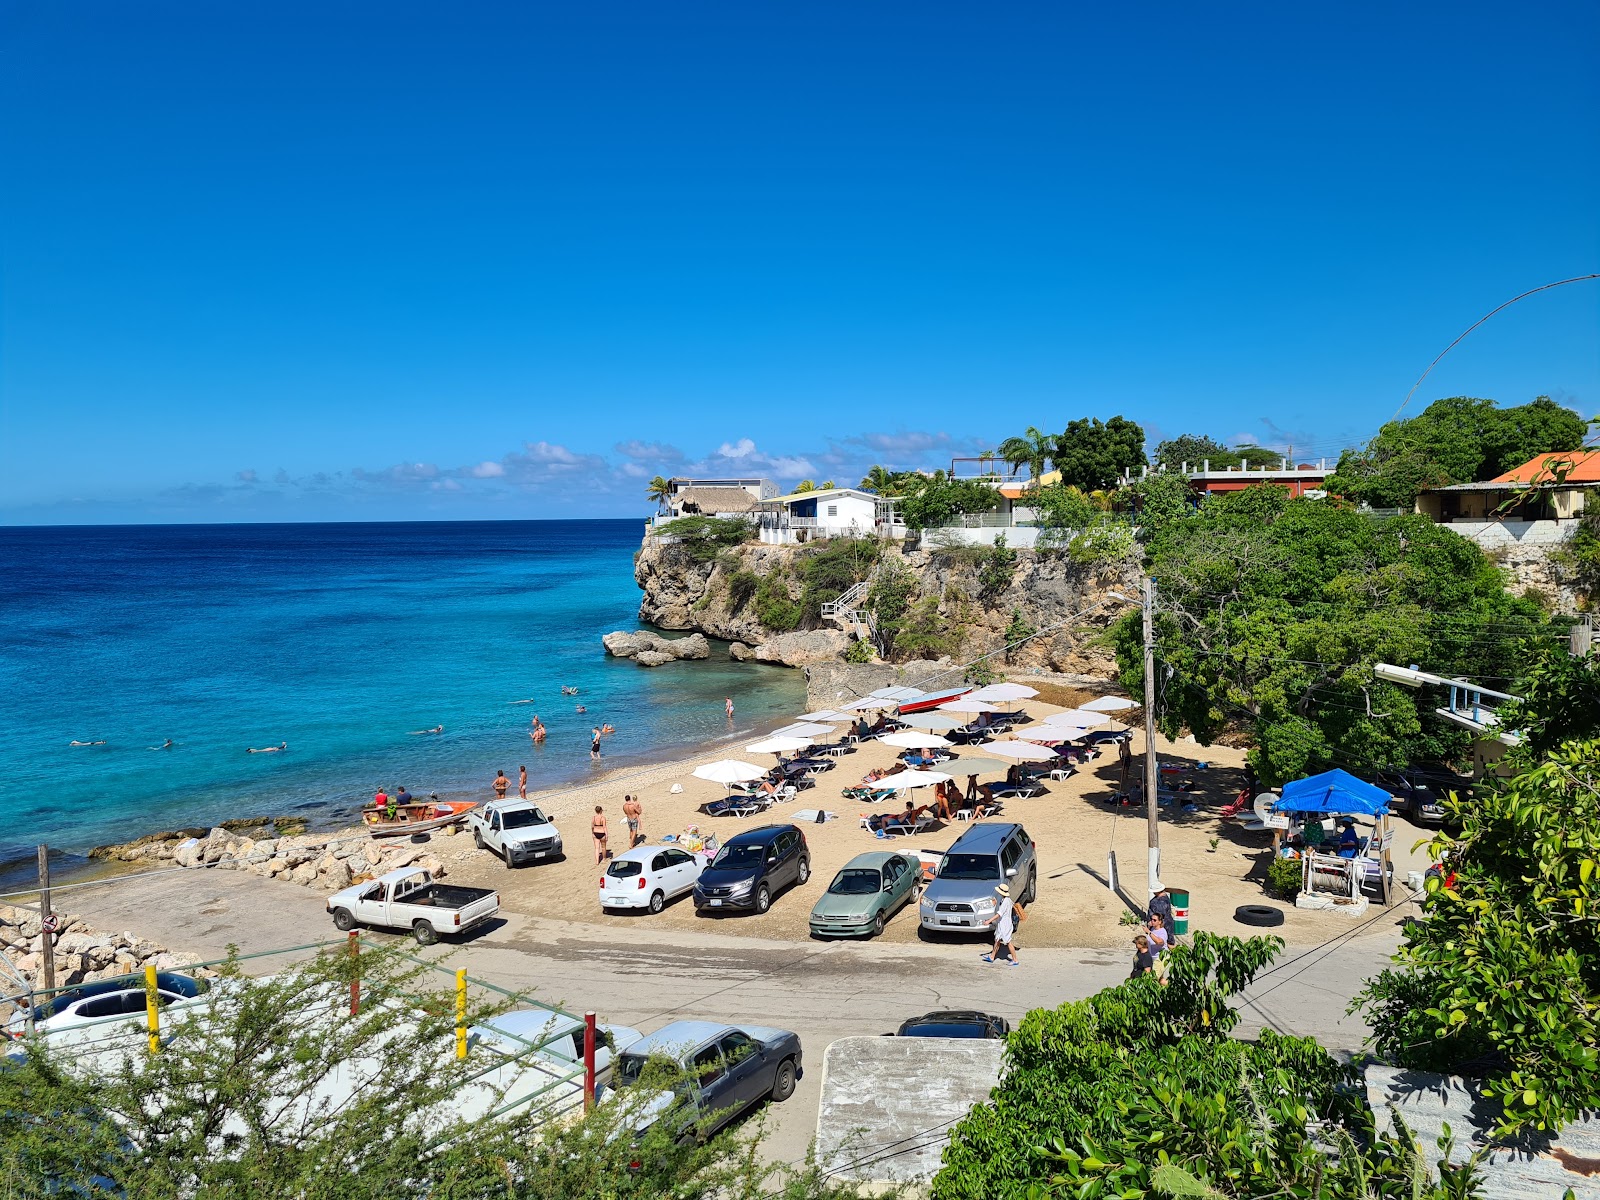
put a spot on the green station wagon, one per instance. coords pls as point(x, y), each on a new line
point(867, 891)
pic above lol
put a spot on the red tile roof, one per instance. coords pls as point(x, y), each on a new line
point(1547, 468)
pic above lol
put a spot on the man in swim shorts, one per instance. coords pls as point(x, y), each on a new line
point(634, 812)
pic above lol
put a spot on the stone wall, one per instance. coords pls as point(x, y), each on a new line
point(1528, 551)
point(82, 953)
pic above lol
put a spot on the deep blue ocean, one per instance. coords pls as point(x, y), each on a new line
point(338, 639)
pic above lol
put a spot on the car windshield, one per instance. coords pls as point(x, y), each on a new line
point(521, 818)
point(969, 1029)
point(623, 869)
point(969, 866)
point(855, 881)
point(747, 855)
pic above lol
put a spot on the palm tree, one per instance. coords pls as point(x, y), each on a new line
point(805, 485)
point(827, 486)
point(1033, 448)
point(658, 489)
point(879, 479)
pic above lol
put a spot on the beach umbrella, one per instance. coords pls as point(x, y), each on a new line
point(913, 740)
point(778, 745)
point(901, 780)
point(968, 705)
point(804, 729)
point(825, 715)
point(897, 694)
point(868, 703)
point(729, 771)
point(1005, 691)
point(933, 722)
point(977, 766)
point(1077, 716)
point(1109, 704)
point(1020, 751)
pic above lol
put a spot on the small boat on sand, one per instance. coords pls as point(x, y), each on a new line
point(416, 816)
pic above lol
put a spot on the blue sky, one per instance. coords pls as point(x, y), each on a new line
point(306, 262)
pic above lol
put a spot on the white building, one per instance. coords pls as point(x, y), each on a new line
point(835, 512)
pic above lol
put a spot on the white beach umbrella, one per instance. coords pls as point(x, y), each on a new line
point(1077, 716)
point(912, 740)
point(934, 722)
point(825, 715)
point(1020, 751)
point(729, 771)
point(1005, 691)
point(804, 729)
point(778, 745)
point(898, 694)
point(1110, 704)
point(968, 705)
point(901, 780)
point(977, 766)
point(868, 703)
point(1048, 733)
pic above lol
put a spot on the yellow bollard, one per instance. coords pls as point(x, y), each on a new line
point(461, 1013)
point(152, 1008)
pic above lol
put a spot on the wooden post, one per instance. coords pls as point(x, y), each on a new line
point(355, 973)
point(461, 1013)
point(1151, 768)
point(152, 1009)
point(47, 934)
point(588, 1061)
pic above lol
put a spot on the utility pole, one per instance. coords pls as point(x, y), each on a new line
point(1150, 766)
point(46, 919)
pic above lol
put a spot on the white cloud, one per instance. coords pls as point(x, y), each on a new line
point(487, 470)
point(653, 452)
point(743, 448)
point(245, 476)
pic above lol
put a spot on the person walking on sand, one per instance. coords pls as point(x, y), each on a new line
point(598, 827)
point(501, 783)
point(727, 704)
point(634, 812)
point(594, 743)
point(1005, 928)
point(522, 783)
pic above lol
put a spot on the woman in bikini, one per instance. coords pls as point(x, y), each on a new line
point(598, 827)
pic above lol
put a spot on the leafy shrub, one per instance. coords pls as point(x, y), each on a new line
point(859, 651)
point(1017, 631)
point(1283, 878)
point(996, 569)
point(704, 538)
point(931, 503)
point(775, 608)
point(833, 568)
point(923, 633)
point(742, 585)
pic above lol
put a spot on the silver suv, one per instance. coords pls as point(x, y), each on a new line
point(961, 896)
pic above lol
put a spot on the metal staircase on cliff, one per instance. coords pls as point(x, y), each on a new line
point(849, 611)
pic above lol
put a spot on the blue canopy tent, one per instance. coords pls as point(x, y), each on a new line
point(1336, 792)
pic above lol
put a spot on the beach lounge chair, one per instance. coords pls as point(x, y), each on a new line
point(1026, 790)
point(921, 822)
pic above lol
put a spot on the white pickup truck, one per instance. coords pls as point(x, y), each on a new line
point(409, 899)
point(516, 830)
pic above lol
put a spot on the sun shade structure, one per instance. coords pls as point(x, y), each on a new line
point(901, 780)
point(1109, 704)
point(897, 694)
point(977, 766)
point(778, 745)
point(1005, 691)
point(968, 705)
point(804, 729)
point(868, 703)
point(728, 771)
point(1049, 733)
point(913, 740)
point(933, 722)
point(825, 715)
point(1333, 791)
point(1020, 751)
point(1077, 716)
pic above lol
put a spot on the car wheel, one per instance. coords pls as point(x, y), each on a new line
point(1263, 915)
point(1033, 888)
point(763, 899)
point(877, 924)
point(805, 870)
point(425, 934)
point(657, 901)
point(343, 921)
point(477, 840)
point(509, 863)
point(783, 1081)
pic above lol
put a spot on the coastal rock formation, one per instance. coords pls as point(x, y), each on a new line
point(82, 953)
point(1046, 590)
point(652, 650)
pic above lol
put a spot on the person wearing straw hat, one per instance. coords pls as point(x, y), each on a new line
point(1005, 928)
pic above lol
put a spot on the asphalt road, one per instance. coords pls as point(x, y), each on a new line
point(646, 977)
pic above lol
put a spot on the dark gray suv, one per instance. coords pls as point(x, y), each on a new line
point(961, 896)
point(751, 868)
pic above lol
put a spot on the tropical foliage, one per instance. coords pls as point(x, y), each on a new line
point(1033, 449)
point(704, 538)
point(1458, 440)
point(1197, 450)
point(929, 502)
point(1092, 454)
point(1272, 612)
point(658, 489)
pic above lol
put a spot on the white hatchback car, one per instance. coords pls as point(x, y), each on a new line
point(557, 1035)
point(647, 877)
point(106, 999)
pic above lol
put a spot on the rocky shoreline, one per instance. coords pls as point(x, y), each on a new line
point(83, 954)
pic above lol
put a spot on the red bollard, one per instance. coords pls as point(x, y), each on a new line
point(588, 1061)
point(355, 977)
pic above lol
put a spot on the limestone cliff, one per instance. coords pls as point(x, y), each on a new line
point(970, 610)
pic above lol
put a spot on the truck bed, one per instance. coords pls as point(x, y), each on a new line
point(443, 896)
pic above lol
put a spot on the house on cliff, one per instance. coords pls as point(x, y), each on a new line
point(832, 512)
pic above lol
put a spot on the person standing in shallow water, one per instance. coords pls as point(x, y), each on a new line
point(522, 782)
point(501, 783)
point(727, 704)
point(594, 743)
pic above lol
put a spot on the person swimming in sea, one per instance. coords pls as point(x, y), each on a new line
point(166, 745)
point(426, 732)
point(568, 691)
point(75, 742)
point(581, 708)
point(608, 728)
point(537, 730)
point(267, 749)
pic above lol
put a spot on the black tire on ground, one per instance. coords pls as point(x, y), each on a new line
point(805, 870)
point(1263, 915)
point(657, 901)
point(877, 924)
point(425, 934)
point(509, 863)
point(1033, 888)
point(783, 1081)
point(763, 899)
point(477, 840)
point(343, 921)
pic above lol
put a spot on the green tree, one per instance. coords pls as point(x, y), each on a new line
point(929, 503)
point(878, 479)
point(805, 485)
point(705, 538)
point(658, 489)
point(1272, 612)
point(1033, 448)
point(889, 599)
point(1160, 501)
point(1062, 506)
point(996, 569)
point(1092, 454)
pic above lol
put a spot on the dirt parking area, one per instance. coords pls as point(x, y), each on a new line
point(1076, 832)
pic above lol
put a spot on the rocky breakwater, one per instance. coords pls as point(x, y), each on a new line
point(328, 861)
point(83, 954)
point(652, 650)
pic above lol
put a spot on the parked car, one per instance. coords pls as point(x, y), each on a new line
point(557, 1035)
point(647, 877)
point(516, 830)
point(1419, 792)
point(955, 1023)
point(752, 867)
point(867, 891)
point(961, 895)
point(105, 998)
point(408, 898)
point(729, 1069)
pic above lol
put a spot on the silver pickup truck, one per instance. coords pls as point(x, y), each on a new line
point(409, 899)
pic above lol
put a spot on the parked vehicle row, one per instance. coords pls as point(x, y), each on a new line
point(409, 898)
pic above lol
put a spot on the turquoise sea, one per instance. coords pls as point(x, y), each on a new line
point(338, 639)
